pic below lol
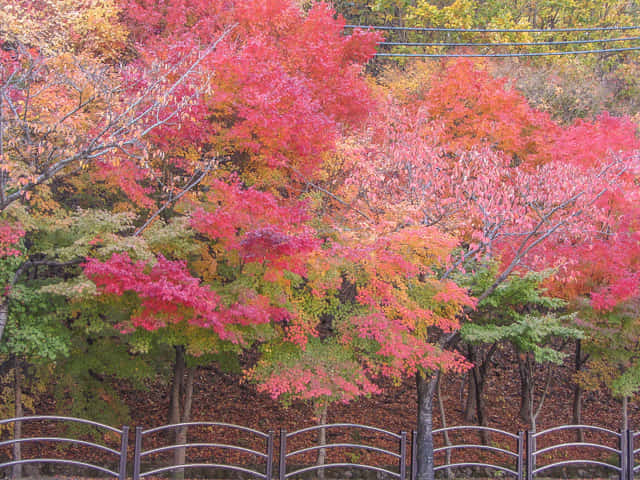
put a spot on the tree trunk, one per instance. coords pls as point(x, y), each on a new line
point(576, 416)
point(181, 433)
point(471, 404)
point(188, 395)
point(475, 408)
point(478, 385)
point(535, 411)
point(426, 388)
point(322, 440)
point(526, 388)
point(4, 315)
point(443, 420)
point(177, 385)
point(180, 403)
point(16, 471)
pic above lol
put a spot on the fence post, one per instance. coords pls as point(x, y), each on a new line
point(136, 454)
point(624, 455)
point(414, 453)
point(124, 443)
point(283, 454)
point(403, 455)
point(530, 455)
point(520, 466)
point(269, 469)
point(631, 458)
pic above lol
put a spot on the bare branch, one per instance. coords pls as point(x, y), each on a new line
point(34, 263)
point(112, 135)
point(172, 200)
point(329, 194)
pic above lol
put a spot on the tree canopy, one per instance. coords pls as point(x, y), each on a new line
point(212, 178)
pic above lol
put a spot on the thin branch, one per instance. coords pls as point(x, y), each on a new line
point(97, 146)
point(33, 263)
point(329, 194)
point(544, 393)
point(171, 200)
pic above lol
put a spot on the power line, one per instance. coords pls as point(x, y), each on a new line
point(496, 30)
point(525, 54)
point(507, 44)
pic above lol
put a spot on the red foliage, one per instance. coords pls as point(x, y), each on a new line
point(479, 110)
point(128, 176)
point(167, 291)
point(402, 354)
point(257, 225)
point(312, 382)
point(281, 85)
point(10, 235)
point(606, 269)
point(463, 167)
point(406, 328)
point(586, 143)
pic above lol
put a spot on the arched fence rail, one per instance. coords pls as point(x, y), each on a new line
point(623, 468)
point(632, 452)
point(519, 455)
point(400, 456)
point(266, 456)
point(119, 456)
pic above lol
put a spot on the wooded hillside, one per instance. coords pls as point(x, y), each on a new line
point(192, 186)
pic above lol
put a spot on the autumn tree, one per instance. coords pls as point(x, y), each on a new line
point(601, 282)
point(66, 110)
point(265, 106)
point(443, 159)
point(92, 125)
point(106, 136)
point(388, 300)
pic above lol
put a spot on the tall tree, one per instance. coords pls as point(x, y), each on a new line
point(264, 108)
point(449, 159)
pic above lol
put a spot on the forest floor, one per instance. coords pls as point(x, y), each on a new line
point(225, 397)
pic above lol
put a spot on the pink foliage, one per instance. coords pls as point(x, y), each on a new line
point(10, 235)
point(260, 227)
point(313, 382)
point(541, 212)
point(289, 81)
point(404, 352)
point(168, 293)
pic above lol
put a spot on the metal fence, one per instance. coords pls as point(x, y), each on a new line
point(399, 456)
point(117, 457)
point(524, 456)
point(516, 456)
point(266, 455)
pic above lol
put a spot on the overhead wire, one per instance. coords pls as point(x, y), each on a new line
point(494, 55)
point(505, 44)
point(508, 44)
point(497, 30)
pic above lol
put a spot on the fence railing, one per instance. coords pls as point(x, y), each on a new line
point(399, 456)
point(524, 456)
point(119, 456)
point(516, 455)
point(266, 455)
point(620, 452)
